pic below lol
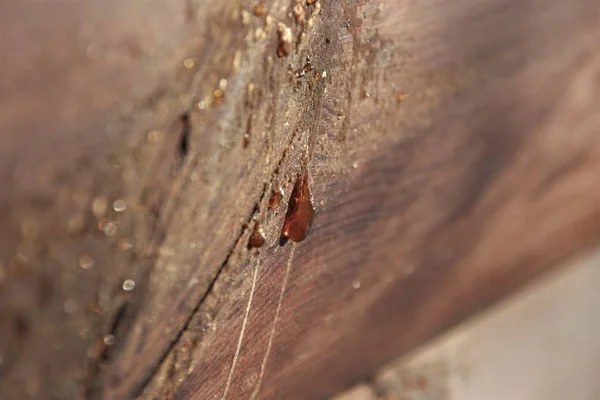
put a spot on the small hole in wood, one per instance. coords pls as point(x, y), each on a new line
point(184, 136)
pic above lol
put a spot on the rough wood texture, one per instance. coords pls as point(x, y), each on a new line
point(454, 150)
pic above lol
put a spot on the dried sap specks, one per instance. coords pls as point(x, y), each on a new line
point(119, 205)
point(285, 40)
point(257, 238)
point(109, 340)
point(108, 227)
point(128, 285)
point(259, 10)
point(86, 262)
point(99, 205)
point(300, 213)
point(275, 199)
point(189, 63)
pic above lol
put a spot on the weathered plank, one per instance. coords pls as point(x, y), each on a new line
point(447, 171)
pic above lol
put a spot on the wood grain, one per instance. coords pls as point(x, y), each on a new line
point(455, 157)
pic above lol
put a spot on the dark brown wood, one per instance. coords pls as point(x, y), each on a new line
point(454, 151)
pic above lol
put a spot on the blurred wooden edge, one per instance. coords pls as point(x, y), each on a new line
point(538, 343)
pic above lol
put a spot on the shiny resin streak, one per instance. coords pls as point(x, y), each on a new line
point(300, 213)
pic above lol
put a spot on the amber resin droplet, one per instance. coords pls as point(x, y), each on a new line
point(300, 213)
point(257, 238)
point(275, 199)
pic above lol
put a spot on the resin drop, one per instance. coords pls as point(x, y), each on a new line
point(257, 238)
point(300, 213)
point(275, 199)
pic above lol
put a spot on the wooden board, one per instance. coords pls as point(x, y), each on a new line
point(453, 148)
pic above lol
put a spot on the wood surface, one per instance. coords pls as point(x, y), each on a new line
point(454, 149)
point(548, 349)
